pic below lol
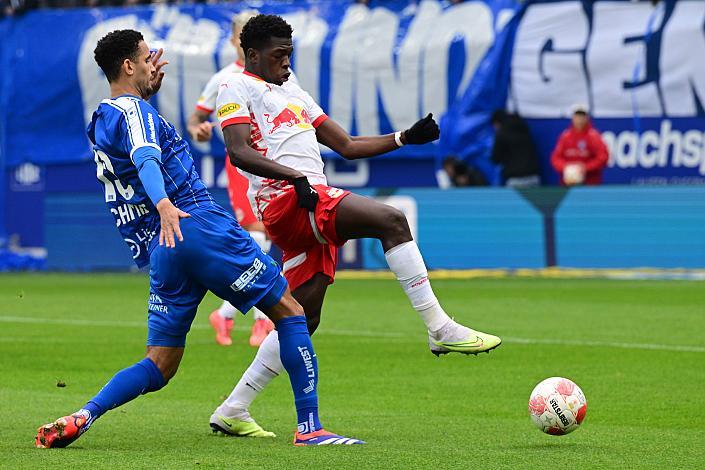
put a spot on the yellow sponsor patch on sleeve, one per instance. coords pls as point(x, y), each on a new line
point(227, 109)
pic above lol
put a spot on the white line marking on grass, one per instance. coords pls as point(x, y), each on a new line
point(359, 333)
point(608, 344)
point(71, 322)
point(548, 273)
point(373, 334)
point(99, 323)
point(143, 324)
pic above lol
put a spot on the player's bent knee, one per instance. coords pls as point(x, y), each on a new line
point(293, 308)
point(399, 219)
point(286, 307)
point(396, 225)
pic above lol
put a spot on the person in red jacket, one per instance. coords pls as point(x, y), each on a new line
point(580, 154)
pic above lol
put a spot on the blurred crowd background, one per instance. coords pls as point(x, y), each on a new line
point(17, 7)
point(583, 122)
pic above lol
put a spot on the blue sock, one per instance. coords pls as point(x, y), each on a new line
point(126, 385)
point(299, 360)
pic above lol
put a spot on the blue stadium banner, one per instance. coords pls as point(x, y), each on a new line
point(636, 65)
point(374, 70)
point(378, 68)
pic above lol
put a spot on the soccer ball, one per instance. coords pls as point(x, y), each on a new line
point(573, 174)
point(557, 406)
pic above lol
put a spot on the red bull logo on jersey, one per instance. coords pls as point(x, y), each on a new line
point(290, 116)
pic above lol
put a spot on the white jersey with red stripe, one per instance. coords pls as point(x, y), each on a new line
point(283, 121)
point(206, 102)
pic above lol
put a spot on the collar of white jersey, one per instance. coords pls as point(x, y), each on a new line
point(250, 74)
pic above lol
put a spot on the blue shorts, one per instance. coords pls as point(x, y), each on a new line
point(216, 255)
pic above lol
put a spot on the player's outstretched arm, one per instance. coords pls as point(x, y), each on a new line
point(330, 134)
point(147, 161)
point(198, 126)
point(237, 141)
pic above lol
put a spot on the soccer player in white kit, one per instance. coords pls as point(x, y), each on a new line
point(201, 129)
point(304, 216)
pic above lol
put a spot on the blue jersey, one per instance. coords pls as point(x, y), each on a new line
point(119, 127)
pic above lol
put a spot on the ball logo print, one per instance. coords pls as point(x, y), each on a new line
point(557, 406)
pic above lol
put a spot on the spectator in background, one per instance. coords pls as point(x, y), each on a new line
point(580, 154)
point(514, 150)
point(460, 173)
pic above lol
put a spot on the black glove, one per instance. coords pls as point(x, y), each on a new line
point(308, 197)
point(424, 131)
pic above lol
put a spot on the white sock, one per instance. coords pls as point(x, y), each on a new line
point(263, 369)
point(261, 239)
point(407, 264)
point(227, 310)
point(259, 314)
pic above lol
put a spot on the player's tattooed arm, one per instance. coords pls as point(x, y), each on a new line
point(237, 141)
point(330, 134)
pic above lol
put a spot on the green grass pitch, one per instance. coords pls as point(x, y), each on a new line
point(636, 348)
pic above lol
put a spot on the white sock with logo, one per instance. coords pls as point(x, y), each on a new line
point(261, 239)
point(227, 310)
point(263, 369)
point(259, 314)
point(407, 264)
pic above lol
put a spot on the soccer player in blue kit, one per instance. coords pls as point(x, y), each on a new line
point(152, 188)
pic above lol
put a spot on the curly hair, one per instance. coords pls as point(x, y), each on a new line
point(113, 48)
point(259, 30)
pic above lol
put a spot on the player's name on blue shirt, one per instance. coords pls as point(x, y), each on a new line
point(119, 127)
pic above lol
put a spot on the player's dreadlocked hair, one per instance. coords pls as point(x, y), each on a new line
point(259, 30)
point(114, 48)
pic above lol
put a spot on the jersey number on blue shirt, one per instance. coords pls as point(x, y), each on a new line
point(102, 162)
